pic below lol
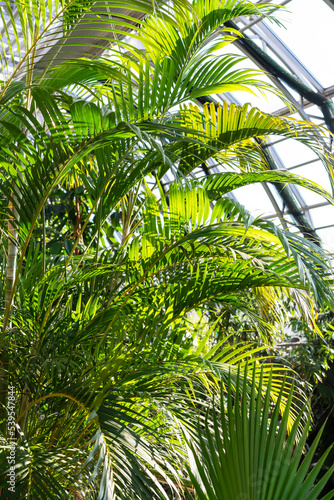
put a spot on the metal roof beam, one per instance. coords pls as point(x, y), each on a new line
point(328, 92)
point(330, 3)
point(290, 201)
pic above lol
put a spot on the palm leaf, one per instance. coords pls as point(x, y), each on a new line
point(247, 453)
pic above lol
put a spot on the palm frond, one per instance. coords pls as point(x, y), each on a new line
point(247, 453)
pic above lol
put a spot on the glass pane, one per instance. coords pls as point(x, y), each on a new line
point(315, 172)
point(277, 197)
point(255, 199)
point(309, 34)
point(268, 103)
point(322, 216)
point(293, 152)
point(310, 197)
point(327, 236)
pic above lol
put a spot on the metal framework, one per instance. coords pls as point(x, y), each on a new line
point(289, 74)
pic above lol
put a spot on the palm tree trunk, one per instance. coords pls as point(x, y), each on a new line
point(11, 261)
point(9, 281)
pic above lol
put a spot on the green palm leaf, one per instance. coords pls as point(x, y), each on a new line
point(247, 453)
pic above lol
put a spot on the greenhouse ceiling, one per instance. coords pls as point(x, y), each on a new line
point(293, 59)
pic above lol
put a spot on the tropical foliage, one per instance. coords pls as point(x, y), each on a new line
point(116, 250)
point(258, 459)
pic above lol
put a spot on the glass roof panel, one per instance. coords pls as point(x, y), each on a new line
point(327, 236)
point(310, 197)
point(309, 33)
point(255, 199)
point(323, 216)
point(315, 172)
point(293, 153)
point(297, 42)
point(309, 36)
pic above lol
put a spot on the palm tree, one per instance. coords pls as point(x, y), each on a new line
point(107, 366)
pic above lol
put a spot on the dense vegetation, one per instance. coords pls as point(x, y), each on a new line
point(141, 304)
